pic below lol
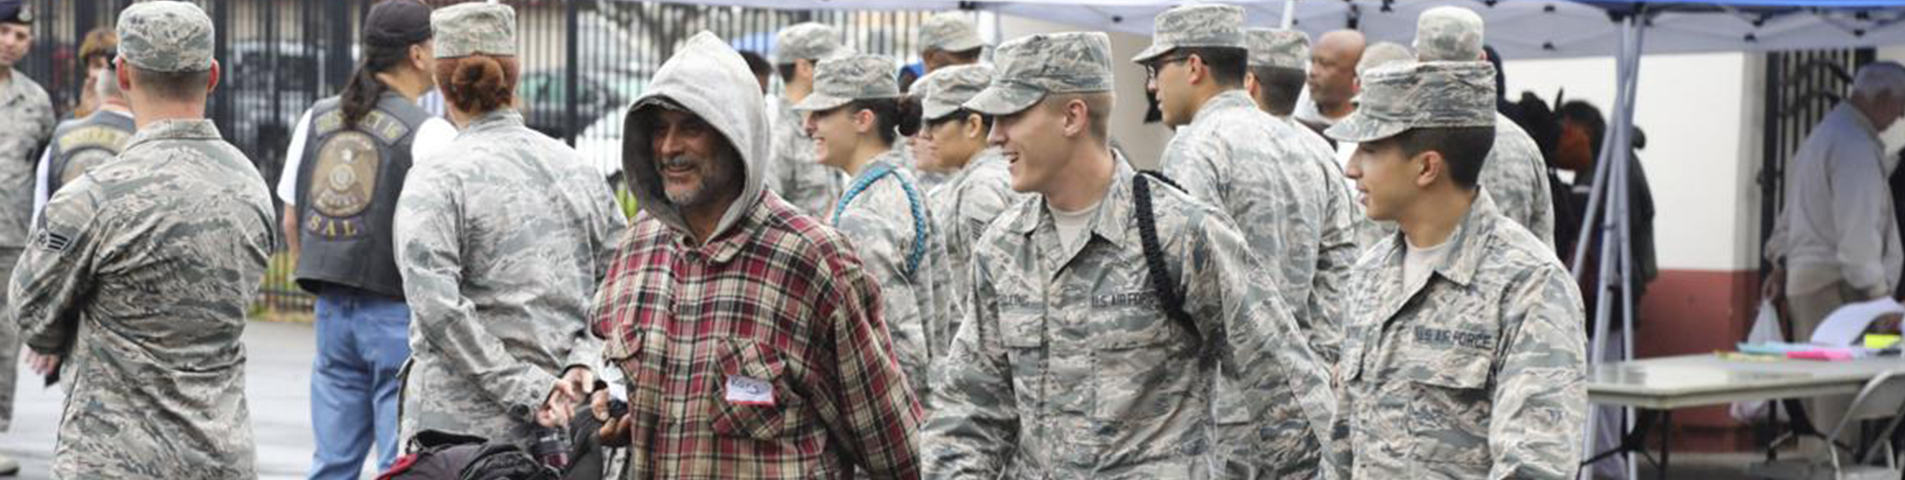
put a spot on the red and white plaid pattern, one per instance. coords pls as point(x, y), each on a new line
point(778, 298)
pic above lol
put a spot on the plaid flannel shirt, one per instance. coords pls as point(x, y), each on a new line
point(779, 300)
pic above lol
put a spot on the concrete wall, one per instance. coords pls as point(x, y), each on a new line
point(1702, 115)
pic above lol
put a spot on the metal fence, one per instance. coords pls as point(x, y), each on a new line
point(1801, 87)
point(582, 62)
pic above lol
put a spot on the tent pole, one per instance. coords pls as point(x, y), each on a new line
point(1623, 183)
point(1610, 182)
point(1289, 14)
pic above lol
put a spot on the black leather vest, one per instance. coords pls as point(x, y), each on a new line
point(347, 190)
point(85, 143)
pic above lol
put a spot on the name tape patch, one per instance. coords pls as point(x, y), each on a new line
point(749, 391)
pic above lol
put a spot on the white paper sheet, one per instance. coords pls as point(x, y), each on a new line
point(1845, 325)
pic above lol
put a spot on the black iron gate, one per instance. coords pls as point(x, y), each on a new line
point(1801, 86)
point(582, 62)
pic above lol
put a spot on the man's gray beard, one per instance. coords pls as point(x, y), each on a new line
point(686, 198)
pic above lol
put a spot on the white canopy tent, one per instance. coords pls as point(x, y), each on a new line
point(1518, 29)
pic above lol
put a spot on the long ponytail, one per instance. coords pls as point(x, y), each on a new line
point(361, 93)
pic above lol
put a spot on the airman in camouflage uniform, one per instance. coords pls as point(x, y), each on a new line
point(977, 193)
point(29, 123)
point(884, 211)
point(793, 173)
point(1281, 186)
point(946, 39)
point(501, 240)
point(1370, 231)
point(1069, 366)
point(139, 275)
point(1276, 50)
point(1464, 356)
point(1516, 174)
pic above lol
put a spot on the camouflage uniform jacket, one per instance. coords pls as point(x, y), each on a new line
point(1285, 192)
point(968, 202)
point(29, 123)
point(884, 228)
point(140, 272)
point(1517, 175)
point(501, 240)
point(1478, 373)
point(793, 172)
point(1067, 369)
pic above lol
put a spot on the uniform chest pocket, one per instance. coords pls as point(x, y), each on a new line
point(1447, 413)
point(751, 397)
point(1142, 366)
point(1022, 334)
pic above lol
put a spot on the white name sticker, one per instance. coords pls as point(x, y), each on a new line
point(749, 391)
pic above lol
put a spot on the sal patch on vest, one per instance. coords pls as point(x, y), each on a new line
point(1437, 336)
point(343, 185)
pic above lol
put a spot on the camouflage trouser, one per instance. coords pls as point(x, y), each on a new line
point(9, 342)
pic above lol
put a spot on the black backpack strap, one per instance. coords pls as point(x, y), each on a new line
point(1169, 299)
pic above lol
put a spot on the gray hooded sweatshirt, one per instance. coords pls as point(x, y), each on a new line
point(766, 337)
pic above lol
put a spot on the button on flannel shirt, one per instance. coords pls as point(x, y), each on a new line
point(779, 299)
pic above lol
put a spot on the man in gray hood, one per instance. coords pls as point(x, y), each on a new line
point(749, 334)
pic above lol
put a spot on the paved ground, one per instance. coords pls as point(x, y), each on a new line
point(278, 388)
point(277, 385)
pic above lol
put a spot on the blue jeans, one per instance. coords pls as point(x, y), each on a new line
point(362, 341)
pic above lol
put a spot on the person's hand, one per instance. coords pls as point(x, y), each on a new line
point(570, 390)
point(614, 431)
point(42, 364)
point(1774, 286)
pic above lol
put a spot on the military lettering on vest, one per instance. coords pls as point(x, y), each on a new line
point(89, 147)
point(344, 180)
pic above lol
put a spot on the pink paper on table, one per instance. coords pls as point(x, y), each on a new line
point(1821, 354)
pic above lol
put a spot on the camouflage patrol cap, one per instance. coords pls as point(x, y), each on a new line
point(949, 31)
point(1276, 47)
point(845, 79)
point(468, 29)
point(1028, 68)
point(166, 37)
point(944, 90)
point(1383, 53)
point(807, 41)
point(1399, 97)
point(1195, 25)
point(1449, 34)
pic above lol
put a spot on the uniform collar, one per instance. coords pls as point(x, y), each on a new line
point(498, 119)
point(1113, 219)
point(891, 158)
point(199, 129)
point(18, 87)
point(1470, 243)
point(983, 157)
point(1232, 99)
